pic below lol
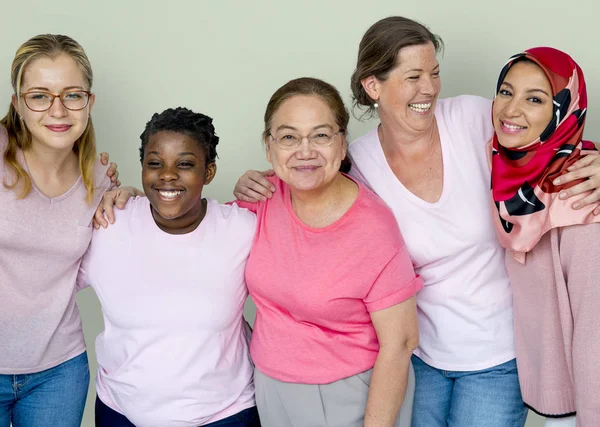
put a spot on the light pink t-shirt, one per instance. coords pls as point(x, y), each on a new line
point(174, 351)
point(315, 287)
point(465, 308)
point(42, 241)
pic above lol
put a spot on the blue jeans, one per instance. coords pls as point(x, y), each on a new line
point(107, 417)
point(54, 397)
point(487, 398)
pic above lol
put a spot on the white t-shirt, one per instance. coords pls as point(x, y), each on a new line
point(174, 351)
point(465, 308)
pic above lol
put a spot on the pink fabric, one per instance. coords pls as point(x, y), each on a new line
point(315, 287)
point(174, 349)
point(557, 318)
point(522, 189)
point(42, 241)
point(465, 308)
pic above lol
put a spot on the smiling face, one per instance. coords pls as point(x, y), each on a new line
point(174, 171)
point(523, 106)
point(408, 96)
point(56, 128)
point(306, 167)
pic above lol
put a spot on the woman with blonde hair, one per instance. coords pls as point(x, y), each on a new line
point(50, 183)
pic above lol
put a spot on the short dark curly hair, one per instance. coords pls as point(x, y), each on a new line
point(182, 120)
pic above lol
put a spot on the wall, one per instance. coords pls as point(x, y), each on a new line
point(226, 58)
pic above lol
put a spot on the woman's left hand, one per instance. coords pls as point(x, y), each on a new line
point(112, 171)
point(586, 167)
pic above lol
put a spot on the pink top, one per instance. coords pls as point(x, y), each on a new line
point(557, 323)
point(174, 350)
point(42, 241)
point(315, 287)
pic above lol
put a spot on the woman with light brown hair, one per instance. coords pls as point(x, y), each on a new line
point(50, 183)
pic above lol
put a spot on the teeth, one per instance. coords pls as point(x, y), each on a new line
point(513, 126)
point(169, 194)
point(420, 108)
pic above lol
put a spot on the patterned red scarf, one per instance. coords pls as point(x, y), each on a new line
point(522, 189)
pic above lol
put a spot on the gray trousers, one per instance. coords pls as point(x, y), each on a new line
point(338, 404)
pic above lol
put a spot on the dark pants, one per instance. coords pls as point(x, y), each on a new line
point(107, 417)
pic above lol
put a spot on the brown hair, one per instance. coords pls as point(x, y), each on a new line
point(379, 49)
point(310, 86)
point(19, 137)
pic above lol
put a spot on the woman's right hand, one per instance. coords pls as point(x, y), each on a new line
point(253, 186)
point(119, 197)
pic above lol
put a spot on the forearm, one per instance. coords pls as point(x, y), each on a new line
point(388, 387)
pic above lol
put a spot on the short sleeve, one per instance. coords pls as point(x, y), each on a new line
point(83, 277)
point(396, 283)
point(251, 206)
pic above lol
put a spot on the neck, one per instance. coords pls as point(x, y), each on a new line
point(318, 198)
point(184, 224)
point(50, 161)
point(396, 141)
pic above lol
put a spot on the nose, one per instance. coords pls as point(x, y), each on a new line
point(306, 149)
point(168, 174)
point(57, 109)
point(427, 85)
point(512, 108)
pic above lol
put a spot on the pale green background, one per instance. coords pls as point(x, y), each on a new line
point(225, 59)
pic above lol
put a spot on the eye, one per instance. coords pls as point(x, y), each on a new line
point(436, 74)
point(535, 100)
point(413, 78)
point(287, 137)
point(504, 92)
point(153, 164)
point(73, 95)
point(38, 96)
point(186, 165)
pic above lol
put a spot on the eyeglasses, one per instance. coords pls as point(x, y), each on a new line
point(288, 141)
point(73, 100)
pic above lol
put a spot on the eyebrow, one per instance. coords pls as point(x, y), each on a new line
point(420, 69)
point(528, 90)
point(45, 89)
point(324, 125)
point(185, 153)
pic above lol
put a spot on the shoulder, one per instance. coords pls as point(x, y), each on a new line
point(131, 213)
point(376, 219)
point(362, 144)
point(469, 115)
point(101, 181)
point(232, 216)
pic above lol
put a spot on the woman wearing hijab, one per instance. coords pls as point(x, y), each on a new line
point(539, 116)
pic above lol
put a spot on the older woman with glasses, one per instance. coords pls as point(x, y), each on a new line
point(51, 182)
point(333, 284)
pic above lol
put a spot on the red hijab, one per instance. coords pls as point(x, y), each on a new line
point(522, 189)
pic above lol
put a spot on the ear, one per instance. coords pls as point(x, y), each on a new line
point(92, 101)
point(267, 142)
point(15, 103)
point(372, 86)
point(344, 146)
point(210, 172)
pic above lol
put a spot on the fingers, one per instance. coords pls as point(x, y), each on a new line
point(584, 161)
point(99, 220)
point(104, 158)
point(260, 178)
point(247, 194)
point(588, 200)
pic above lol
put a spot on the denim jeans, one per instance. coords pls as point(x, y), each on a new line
point(54, 397)
point(107, 417)
point(487, 398)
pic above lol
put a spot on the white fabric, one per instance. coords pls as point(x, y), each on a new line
point(465, 308)
point(560, 422)
point(174, 351)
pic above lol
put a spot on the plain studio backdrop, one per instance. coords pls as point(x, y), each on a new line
point(226, 58)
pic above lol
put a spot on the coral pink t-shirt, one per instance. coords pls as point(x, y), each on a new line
point(314, 288)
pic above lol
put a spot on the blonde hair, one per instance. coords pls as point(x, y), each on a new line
point(49, 46)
